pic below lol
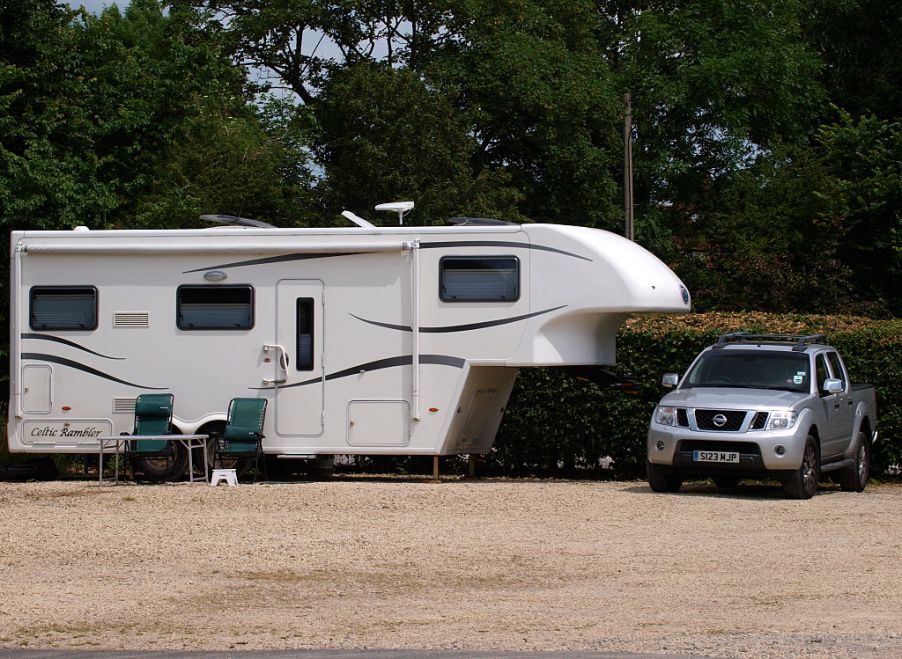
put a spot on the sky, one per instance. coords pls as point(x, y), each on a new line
point(96, 6)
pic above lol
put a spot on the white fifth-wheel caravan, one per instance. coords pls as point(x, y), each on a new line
point(365, 340)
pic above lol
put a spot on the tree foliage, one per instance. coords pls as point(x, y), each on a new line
point(767, 133)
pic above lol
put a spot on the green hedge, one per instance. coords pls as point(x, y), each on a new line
point(558, 425)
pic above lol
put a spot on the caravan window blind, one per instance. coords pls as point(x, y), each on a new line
point(304, 359)
point(63, 308)
point(479, 279)
point(215, 307)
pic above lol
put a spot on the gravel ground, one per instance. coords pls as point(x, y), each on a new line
point(461, 565)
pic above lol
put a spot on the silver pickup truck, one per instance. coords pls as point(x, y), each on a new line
point(764, 406)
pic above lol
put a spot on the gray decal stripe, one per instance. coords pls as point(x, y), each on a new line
point(269, 259)
point(379, 364)
point(423, 245)
point(81, 367)
point(499, 243)
point(459, 328)
point(67, 342)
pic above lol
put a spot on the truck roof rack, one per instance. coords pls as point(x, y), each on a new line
point(800, 341)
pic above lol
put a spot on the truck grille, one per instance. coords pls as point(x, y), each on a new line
point(704, 419)
point(759, 421)
point(682, 417)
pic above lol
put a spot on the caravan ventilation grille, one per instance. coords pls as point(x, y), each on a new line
point(131, 319)
point(123, 406)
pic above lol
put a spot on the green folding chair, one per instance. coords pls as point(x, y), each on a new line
point(243, 434)
point(158, 459)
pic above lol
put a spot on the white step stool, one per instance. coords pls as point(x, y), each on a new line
point(227, 475)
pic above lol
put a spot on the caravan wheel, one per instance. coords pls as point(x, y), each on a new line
point(160, 469)
point(241, 465)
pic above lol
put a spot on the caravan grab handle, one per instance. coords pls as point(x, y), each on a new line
point(283, 364)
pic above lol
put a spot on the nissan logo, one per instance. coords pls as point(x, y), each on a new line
point(719, 420)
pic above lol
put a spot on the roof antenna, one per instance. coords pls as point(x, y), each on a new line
point(237, 221)
point(356, 219)
point(402, 208)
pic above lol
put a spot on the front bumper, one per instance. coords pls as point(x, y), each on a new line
point(757, 449)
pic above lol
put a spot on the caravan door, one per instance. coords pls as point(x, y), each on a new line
point(299, 335)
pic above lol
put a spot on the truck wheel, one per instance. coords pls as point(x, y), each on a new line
point(804, 481)
point(726, 482)
point(661, 480)
point(855, 478)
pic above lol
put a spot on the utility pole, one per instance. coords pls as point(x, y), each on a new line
point(628, 228)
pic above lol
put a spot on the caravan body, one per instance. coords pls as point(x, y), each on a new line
point(365, 340)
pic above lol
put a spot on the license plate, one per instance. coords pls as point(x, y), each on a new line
point(715, 456)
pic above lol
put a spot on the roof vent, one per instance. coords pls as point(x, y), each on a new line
point(236, 221)
point(478, 222)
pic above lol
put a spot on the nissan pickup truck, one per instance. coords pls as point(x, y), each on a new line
point(764, 406)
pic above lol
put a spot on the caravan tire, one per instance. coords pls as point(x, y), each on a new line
point(161, 470)
point(241, 465)
point(322, 467)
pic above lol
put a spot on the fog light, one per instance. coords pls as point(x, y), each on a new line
point(779, 449)
point(660, 445)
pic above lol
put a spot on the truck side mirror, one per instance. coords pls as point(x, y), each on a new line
point(670, 379)
point(833, 386)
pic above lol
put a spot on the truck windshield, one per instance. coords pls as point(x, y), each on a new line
point(751, 369)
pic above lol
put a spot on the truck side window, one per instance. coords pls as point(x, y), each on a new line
point(479, 279)
point(215, 307)
point(63, 308)
point(822, 374)
point(304, 358)
point(836, 367)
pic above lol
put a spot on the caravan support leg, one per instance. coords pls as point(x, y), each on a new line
point(472, 466)
point(435, 470)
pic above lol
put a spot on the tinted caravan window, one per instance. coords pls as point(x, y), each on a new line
point(479, 279)
point(304, 359)
point(215, 307)
point(63, 308)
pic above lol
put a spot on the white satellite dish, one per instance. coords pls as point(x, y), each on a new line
point(402, 208)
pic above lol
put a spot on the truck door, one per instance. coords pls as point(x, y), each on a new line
point(299, 366)
point(831, 437)
point(845, 415)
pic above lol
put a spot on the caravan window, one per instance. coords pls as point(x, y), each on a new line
point(304, 360)
point(479, 278)
point(63, 308)
point(215, 307)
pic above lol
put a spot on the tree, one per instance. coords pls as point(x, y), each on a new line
point(387, 136)
point(858, 43)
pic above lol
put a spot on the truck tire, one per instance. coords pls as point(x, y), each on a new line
point(661, 480)
point(855, 478)
point(803, 483)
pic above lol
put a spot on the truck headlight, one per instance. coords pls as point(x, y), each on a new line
point(666, 416)
point(781, 420)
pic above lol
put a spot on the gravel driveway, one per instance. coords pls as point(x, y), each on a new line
point(468, 565)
